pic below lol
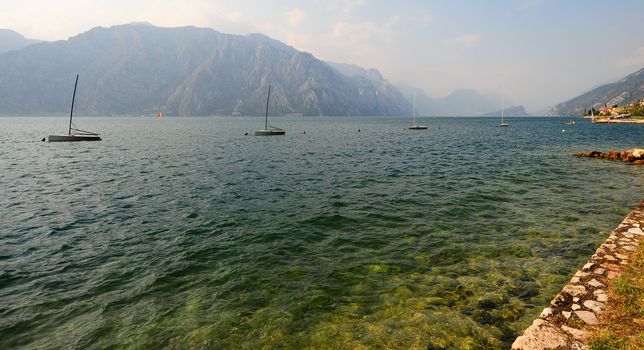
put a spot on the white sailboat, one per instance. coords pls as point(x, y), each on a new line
point(414, 125)
point(272, 130)
point(503, 123)
point(73, 134)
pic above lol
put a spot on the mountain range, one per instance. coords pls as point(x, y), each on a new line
point(139, 69)
point(512, 111)
point(627, 90)
point(461, 102)
point(10, 41)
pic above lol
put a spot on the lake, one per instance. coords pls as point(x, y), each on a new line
point(186, 233)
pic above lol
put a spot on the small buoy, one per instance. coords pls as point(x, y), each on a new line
point(245, 134)
point(358, 130)
point(304, 132)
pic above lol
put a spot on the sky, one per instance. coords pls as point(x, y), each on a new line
point(534, 52)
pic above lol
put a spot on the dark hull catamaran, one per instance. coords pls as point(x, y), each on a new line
point(73, 134)
point(273, 130)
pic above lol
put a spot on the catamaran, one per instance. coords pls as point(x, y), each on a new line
point(414, 125)
point(73, 133)
point(272, 130)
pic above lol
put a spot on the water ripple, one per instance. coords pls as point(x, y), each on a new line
point(185, 233)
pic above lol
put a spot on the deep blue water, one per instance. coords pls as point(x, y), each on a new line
point(185, 233)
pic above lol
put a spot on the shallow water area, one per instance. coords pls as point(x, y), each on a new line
point(185, 233)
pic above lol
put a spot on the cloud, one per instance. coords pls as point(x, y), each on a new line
point(466, 40)
point(355, 32)
point(634, 60)
point(55, 20)
point(295, 17)
point(302, 41)
point(349, 5)
point(365, 31)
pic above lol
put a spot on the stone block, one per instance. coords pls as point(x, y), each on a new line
point(588, 317)
point(596, 306)
point(541, 335)
point(581, 274)
point(574, 290)
point(577, 334)
point(546, 312)
point(595, 283)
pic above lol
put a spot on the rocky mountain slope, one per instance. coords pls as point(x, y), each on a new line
point(627, 90)
point(139, 69)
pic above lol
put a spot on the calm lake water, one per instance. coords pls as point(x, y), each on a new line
point(185, 234)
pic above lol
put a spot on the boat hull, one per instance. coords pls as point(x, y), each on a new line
point(271, 132)
point(72, 138)
point(503, 125)
point(417, 127)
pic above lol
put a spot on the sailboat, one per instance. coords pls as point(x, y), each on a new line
point(503, 123)
point(273, 130)
point(414, 125)
point(73, 134)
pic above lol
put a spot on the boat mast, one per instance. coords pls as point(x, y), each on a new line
point(502, 107)
point(267, 99)
point(414, 112)
point(71, 112)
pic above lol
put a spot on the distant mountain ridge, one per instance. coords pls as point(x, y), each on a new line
point(10, 40)
point(627, 90)
point(139, 69)
point(352, 70)
point(461, 102)
point(513, 111)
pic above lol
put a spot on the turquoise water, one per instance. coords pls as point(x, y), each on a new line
point(185, 234)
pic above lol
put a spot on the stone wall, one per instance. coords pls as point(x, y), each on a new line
point(563, 325)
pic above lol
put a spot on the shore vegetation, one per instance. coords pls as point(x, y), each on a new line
point(622, 326)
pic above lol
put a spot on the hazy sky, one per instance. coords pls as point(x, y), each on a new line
point(536, 52)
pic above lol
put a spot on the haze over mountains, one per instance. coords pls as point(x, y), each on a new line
point(139, 69)
point(10, 40)
point(627, 90)
point(461, 102)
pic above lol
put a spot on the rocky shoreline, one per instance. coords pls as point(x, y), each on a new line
point(634, 156)
point(618, 121)
point(565, 323)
